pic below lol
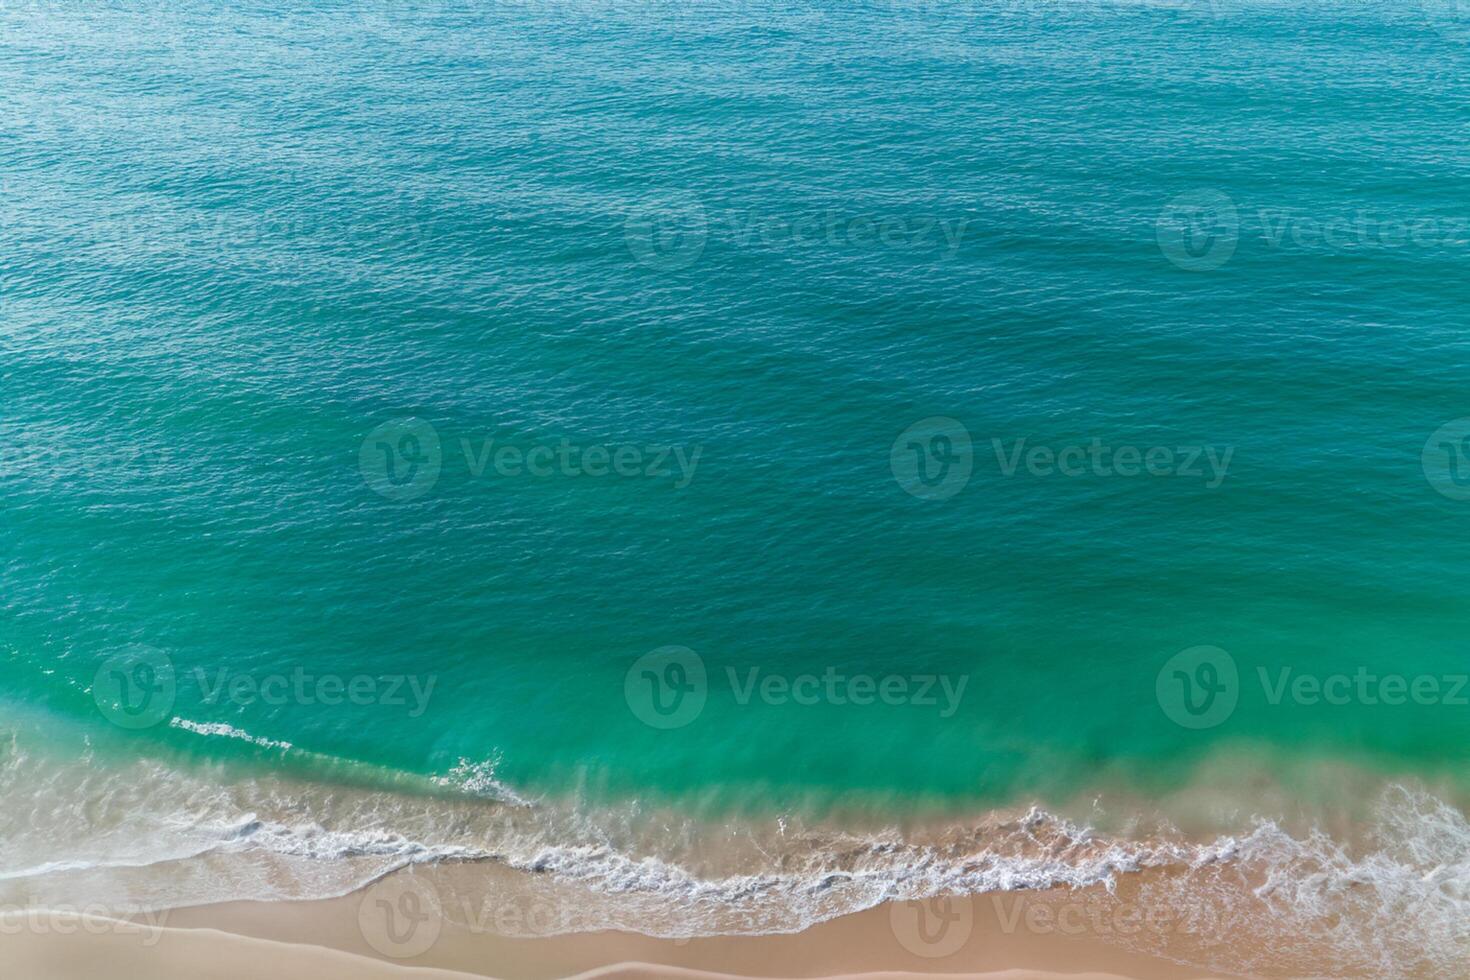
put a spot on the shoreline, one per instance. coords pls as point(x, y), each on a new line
point(341, 938)
point(535, 894)
point(558, 888)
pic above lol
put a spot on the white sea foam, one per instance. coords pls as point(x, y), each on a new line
point(155, 836)
point(478, 779)
point(226, 731)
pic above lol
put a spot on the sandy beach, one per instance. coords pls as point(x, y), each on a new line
point(343, 938)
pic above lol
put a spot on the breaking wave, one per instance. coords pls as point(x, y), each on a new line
point(1394, 903)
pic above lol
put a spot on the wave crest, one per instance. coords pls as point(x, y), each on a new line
point(155, 836)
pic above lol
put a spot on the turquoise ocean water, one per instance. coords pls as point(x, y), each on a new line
point(847, 415)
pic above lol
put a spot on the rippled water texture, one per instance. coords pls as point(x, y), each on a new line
point(956, 405)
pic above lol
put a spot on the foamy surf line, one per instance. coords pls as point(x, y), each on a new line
point(97, 944)
point(476, 778)
point(160, 837)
